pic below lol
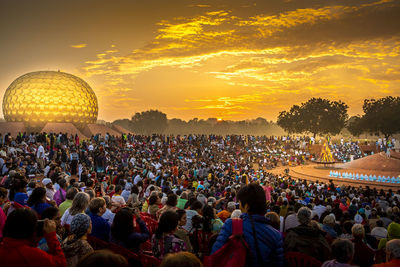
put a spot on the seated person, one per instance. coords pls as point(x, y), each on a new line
point(20, 231)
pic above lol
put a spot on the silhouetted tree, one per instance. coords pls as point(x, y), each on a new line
point(149, 122)
point(316, 116)
point(355, 126)
point(381, 116)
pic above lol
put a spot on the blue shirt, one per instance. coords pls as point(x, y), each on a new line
point(21, 198)
point(39, 208)
point(100, 227)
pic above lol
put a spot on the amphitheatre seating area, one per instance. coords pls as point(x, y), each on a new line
point(364, 177)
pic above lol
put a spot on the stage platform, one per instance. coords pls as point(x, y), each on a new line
point(377, 164)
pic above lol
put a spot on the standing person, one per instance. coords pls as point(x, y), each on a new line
point(40, 156)
point(19, 233)
point(74, 157)
point(264, 241)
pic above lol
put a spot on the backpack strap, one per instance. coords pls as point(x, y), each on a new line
point(258, 253)
point(237, 227)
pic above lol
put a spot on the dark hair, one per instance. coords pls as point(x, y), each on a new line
point(89, 182)
point(180, 213)
point(379, 223)
point(36, 197)
point(347, 225)
point(49, 213)
point(71, 193)
point(16, 185)
point(118, 188)
point(172, 200)
point(135, 190)
point(3, 192)
point(168, 222)
point(102, 258)
point(254, 196)
point(62, 182)
point(208, 215)
point(20, 224)
point(196, 205)
point(181, 259)
point(342, 250)
point(153, 200)
point(122, 225)
point(95, 204)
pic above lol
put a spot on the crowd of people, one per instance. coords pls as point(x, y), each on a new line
point(181, 201)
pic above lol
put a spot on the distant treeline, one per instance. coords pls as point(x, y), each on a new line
point(154, 121)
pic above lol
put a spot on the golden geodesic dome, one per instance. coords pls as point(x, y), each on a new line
point(50, 96)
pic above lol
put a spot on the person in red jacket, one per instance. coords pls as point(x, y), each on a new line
point(19, 246)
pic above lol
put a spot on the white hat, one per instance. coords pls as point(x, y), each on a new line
point(46, 181)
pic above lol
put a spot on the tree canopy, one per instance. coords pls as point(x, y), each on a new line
point(381, 116)
point(149, 122)
point(316, 116)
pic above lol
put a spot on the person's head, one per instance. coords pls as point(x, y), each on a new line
point(343, 250)
point(71, 193)
point(167, 224)
point(80, 203)
point(122, 225)
point(90, 192)
point(172, 200)
point(304, 215)
point(18, 185)
point(379, 223)
point(393, 249)
point(52, 213)
point(62, 183)
point(358, 231)
point(38, 196)
point(252, 199)
point(196, 205)
point(20, 224)
point(181, 259)
point(182, 219)
point(107, 199)
point(329, 220)
point(118, 189)
point(236, 214)
point(135, 190)
point(273, 219)
point(102, 258)
point(231, 206)
point(153, 199)
point(47, 183)
point(347, 225)
point(81, 225)
point(98, 206)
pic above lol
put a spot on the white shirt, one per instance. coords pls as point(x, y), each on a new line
point(40, 152)
point(66, 218)
point(108, 216)
point(379, 232)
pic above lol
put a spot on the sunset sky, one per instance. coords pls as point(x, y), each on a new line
point(233, 59)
